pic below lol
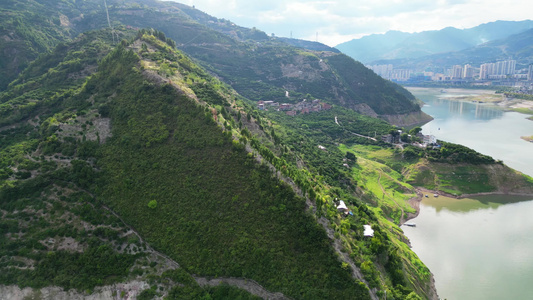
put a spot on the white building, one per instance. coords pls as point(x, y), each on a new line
point(400, 74)
point(497, 70)
point(468, 71)
point(342, 206)
point(368, 231)
point(457, 72)
point(384, 71)
point(429, 139)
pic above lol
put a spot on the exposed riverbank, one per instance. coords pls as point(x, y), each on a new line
point(421, 192)
point(480, 96)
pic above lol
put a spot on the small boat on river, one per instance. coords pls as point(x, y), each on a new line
point(410, 224)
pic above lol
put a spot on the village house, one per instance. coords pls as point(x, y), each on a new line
point(285, 106)
point(429, 139)
point(291, 113)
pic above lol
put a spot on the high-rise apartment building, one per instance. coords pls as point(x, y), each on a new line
point(457, 72)
point(384, 71)
point(484, 71)
point(501, 68)
point(468, 71)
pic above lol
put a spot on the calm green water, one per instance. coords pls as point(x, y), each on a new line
point(478, 248)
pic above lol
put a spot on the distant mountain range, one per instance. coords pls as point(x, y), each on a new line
point(395, 45)
point(518, 47)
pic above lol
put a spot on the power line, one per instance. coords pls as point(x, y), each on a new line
point(109, 22)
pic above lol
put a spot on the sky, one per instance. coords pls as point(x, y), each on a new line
point(338, 21)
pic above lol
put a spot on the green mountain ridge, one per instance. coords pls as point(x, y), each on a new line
point(267, 65)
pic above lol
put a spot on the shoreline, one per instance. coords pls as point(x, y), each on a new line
point(486, 97)
point(527, 138)
point(414, 202)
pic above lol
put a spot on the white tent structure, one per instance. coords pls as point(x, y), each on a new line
point(368, 231)
point(342, 206)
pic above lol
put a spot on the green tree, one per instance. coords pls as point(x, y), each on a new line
point(152, 204)
point(351, 156)
point(405, 138)
point(415, 130)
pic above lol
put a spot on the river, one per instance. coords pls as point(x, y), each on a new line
point(477, 248)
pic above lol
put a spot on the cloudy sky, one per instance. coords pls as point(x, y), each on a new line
point(338, 21)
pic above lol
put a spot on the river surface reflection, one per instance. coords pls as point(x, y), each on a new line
point(478, 248)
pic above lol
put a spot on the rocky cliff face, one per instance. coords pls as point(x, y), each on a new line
point(409, 119)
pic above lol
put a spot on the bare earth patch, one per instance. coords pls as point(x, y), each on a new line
point(129, 290)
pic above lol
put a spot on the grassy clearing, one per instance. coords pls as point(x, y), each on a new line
point(524, 110)
point(452, 179)
point(388, 190)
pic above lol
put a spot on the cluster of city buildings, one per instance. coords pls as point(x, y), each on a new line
point(303, 107)
point(503, 72)
point(390, 73)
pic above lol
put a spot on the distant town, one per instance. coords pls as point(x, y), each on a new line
point(303, 107)
point(501, 73)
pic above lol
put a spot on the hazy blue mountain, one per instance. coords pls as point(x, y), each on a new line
point(518, 47)
point(398, 45)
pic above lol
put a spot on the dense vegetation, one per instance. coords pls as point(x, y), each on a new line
point(251, 225)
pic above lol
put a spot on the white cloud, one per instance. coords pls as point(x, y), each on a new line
point(337, 21)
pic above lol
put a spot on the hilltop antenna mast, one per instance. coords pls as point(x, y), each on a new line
point(317, 36)
point(109, 22)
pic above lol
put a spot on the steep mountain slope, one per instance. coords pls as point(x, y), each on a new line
point(161, 179)
point(27, 29)
point(272, 66)
point(309, 45)
point(518, 47)
point(399, 45)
